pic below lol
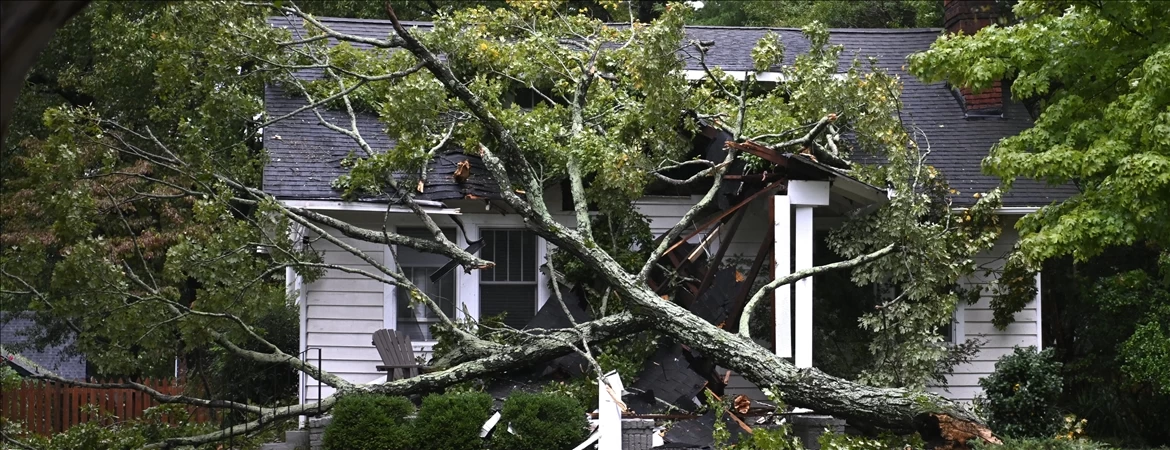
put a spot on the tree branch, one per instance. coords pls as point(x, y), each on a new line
point(745, 319)
point(155, 394)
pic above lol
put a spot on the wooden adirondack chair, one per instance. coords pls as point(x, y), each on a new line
point(397, 355)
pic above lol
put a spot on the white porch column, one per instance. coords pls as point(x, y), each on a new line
point(782, 251)
point(804, 288)
point(804, 195)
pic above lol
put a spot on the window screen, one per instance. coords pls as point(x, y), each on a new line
point(416, 321)
point(511, 285)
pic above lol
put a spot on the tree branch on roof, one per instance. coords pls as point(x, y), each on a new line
point(292, 9)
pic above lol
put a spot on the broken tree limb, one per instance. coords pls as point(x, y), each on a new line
point(746, 318)
point(533, 349)
point(806, 140)
point(894, 409)
point(899, 410)
point(270, 417)
point(551, 344)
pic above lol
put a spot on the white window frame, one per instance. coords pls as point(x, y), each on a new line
point(467, 284)
point(542, 289)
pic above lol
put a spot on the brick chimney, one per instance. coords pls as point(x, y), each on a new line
point(968, 17)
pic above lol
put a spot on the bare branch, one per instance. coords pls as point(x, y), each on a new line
point(155, 394)
point(687, 219)
point(745, 319)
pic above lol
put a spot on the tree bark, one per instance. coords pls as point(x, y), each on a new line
point(27, 27)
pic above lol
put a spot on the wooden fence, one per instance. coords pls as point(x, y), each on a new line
point(47, 407)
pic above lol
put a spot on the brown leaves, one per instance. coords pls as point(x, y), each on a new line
point(462, 171)
point(741, 404)
point(959, 433)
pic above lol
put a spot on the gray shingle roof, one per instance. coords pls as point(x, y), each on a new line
point(14, 337)
point(305, 156)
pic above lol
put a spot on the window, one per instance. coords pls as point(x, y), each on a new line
point(511, 286)
point(416, 321)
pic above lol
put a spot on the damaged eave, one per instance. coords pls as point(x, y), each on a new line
point(858, 193)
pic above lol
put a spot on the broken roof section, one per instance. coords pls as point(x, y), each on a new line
point(305, 156)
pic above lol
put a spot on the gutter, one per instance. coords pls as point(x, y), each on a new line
point(431, 207)
point(1007, 210)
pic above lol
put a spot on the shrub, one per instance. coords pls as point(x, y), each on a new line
point(106, 432)
point(452, 421)
point(1041, 444)
point(1022, 394)
point(369, 422)
point(540, 422)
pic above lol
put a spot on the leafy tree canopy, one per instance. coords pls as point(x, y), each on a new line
point(833, 13)
point(151, 191)
point(1098, 74)
point(80, 215)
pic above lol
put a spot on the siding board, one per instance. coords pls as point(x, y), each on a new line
point(349, 312)
point(343, 299)
point(343, 326)
point(977, 318)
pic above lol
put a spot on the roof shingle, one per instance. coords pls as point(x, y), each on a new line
point(305, 156)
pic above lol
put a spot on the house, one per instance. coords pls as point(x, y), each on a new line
point(341, 310)
point(16, 335)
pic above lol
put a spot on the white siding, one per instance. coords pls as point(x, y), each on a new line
point(974, 322)
point(664, 212)
point(342, 312)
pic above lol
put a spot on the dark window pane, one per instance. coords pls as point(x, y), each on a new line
point(528, 261)
point(519, 301)
point(488, 253)
point(416, 321)
point(410, 257)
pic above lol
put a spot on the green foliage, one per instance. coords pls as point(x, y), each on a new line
point(1114, 374)
point(539, 422)
point(1022, 394)
point(1146, 355)
point(446, 339)
point(624, 234)
point(369, 422)
point(451, 421)
point(777, 437)
point(836, 14)
point(106, 432)
point(9, 379)
point(581, 389)
point(97, 237)
point(1013, 289)
point(1041, 444)
point(1097, 75)
point(885, 441)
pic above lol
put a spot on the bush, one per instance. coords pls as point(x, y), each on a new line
point(452, 421)
point(540, 422)
point(1022, 394)
point(369, 422)
point(106, 432)
point(836, 441)
point(1041, 444)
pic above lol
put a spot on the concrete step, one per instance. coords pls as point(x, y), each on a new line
point(275, 446)
point(297, 439)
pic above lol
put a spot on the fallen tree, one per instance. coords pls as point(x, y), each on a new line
point(612, 101)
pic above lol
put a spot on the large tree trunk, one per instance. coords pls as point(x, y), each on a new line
point(25, 30)
point(893, 409)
